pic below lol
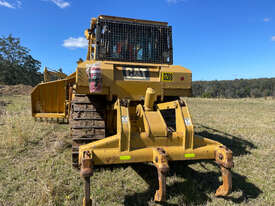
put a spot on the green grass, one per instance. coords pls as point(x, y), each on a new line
point(35, 162)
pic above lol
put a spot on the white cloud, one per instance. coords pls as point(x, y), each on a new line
point(14, 5)
point(61, 3)
point(175, 1)
point(19, 4)
point(79, 42)
point(273, 38)
point(6, 4)
point(267, 19)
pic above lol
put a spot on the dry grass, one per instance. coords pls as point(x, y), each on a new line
point(35, 163)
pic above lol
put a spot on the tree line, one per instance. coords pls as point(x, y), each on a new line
point(17, 66)
point(238, 88)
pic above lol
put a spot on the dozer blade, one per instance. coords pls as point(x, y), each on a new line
point(49, 100)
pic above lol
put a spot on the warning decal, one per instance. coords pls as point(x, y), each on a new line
point(167, 76)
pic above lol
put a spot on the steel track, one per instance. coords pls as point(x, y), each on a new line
point(87, 122)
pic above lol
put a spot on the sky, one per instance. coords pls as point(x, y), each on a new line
point(215, 39)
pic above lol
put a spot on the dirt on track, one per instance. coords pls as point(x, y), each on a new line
point(19, 89)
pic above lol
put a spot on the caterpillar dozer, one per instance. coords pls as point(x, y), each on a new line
point(51, 75)
point(124, 103)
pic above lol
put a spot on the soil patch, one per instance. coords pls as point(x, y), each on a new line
point(19, 89)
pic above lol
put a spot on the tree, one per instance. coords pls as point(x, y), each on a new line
point(17, 66)
point(256, 93)
point(238, 88)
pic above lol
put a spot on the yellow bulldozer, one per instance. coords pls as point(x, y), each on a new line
point(124, 103)
point(51, 74)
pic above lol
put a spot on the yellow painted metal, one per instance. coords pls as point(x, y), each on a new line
point(115, 84)
point(150, 98)
point(112, 155)
point(51, 99)
point(123, 127)
point(53, 75)
point(178, 145)
point(153, 143)
point(154, 123)
point(49, 115)
point(184, 125)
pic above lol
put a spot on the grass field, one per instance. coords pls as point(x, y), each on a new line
point(35, 160)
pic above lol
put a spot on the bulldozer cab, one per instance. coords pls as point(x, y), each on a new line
point(130, 40)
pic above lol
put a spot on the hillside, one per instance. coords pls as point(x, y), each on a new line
point(35, 163)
